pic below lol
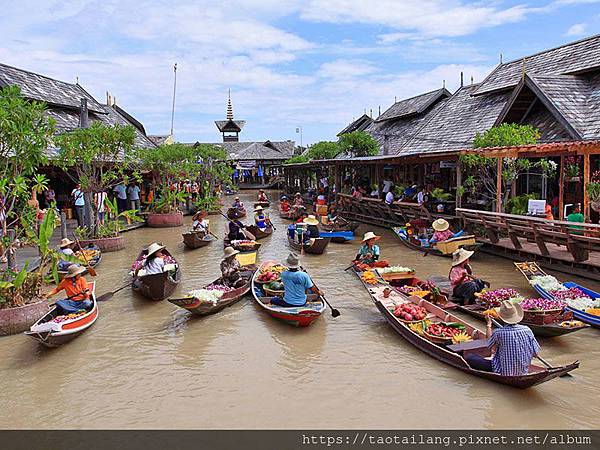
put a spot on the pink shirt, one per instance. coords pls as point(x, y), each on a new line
point(440, 236)
point(456, 273)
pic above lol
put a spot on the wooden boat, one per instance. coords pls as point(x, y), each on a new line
point(288, 215)
point(531, 269)
point(454, 355)
point(300, 316)
point(445, 248)
point(258, 233)
point(197, 307)
point(348, 226)
point(241, 212)
point(93, 263)
point(55, 334)
point(263, 204)
point(317, 247)
point(196, 239)
point(157, 286)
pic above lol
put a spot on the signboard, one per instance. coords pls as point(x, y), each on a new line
point(447, 164)
point(246, 164)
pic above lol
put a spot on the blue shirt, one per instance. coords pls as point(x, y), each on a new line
point(134, 192)
point(295, 285)
point(364, 250)
point(78, 196)
point(121, 191)
point(515, 347)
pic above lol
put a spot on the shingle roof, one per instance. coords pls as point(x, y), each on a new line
point(413, 105)
point(53, 92)
point(230, 125)
point(571, 58)
point(359, 124)
point(240, 151)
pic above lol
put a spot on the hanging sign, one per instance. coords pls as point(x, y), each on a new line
point(447, 164)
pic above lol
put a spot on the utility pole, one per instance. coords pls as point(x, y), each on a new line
point(299, 130)
point(174, 91)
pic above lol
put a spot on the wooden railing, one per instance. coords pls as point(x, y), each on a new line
point(378, 212)
point(578, 238)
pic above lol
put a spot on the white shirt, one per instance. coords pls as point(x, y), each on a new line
point(100, 200)
point(157, 265)
point(420, 198)
point(387, 185)
point(389, 198)
point(199, 225)
point(325, 182)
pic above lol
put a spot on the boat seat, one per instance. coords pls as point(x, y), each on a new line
point(474, 346)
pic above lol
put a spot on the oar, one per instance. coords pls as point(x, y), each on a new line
point(90, 269)
point(272, 224)
point(109, 295)
point(246, 233)
point(334, 312)
point(544, 362)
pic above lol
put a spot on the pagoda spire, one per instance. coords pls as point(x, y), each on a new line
point(229, 107)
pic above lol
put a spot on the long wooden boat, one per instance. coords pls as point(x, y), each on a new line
point(241, 212)
point(288, 215)
point(316, 247)
point(196, 239)
point(196, 306)
point(258, 233)
point(445, 248)
point(265, 204)
point(54, 334)
point(531, 269)
point(454, 355)
point(157, 286)
point(348, 226)
point(93, 263)
point(299, 316)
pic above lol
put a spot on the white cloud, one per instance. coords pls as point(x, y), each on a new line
point(578, 29)
point(341, 69)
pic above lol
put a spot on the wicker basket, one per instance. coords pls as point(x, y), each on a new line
point(272, 293)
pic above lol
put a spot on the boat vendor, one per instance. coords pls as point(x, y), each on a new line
point(296, 284)
point(298, 201)
point(154, 262)
point(312, 229)
point(65, 248)
point(442, 231)
point(199, 222)
point(237, 203)
point(235, 227)
point(513, 346)
point(369, 252)
point(261, 219)
point(301, 214)
point(284, 204)
point(77, 290)
point(231, 268)
point(464, 284)
point(262, 197)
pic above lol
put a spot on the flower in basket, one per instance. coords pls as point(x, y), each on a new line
point(495, 298)
point(542, 304)
point(571, 167)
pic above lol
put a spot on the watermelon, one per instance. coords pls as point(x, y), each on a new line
point(276, 286)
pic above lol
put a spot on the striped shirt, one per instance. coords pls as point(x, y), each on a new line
point(515, 347)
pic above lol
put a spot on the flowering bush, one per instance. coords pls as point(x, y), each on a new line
point(542, 304)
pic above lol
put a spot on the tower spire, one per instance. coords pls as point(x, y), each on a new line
point(229, 107)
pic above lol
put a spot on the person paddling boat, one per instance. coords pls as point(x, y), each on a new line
point(369, 252)
point(231, 268)
point(296, 285)
point(235, 227)
point(77, 290)
point(199, 222)
point(261, 219)
point(464, 284)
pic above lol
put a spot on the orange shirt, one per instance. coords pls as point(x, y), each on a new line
point(73, 286)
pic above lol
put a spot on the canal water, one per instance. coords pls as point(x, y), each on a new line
point(149, 364)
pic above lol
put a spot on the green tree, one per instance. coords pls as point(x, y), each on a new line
point(358, 143)
point(99, 157)
point(507, 134)
point(323, 150)
point(298, 159)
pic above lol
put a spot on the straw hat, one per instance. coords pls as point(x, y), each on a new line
point(200, 215)
point(370, 235)
point(74, 270)
point(229, 252)
point(65, 242)
point(298, 194)
point(236, 198)
point(261, 190)
point(440, 225)
point(510, 312)
point(311, 220)
point(153, 248)
point(284, 197)
point(460, 256)
point(292, 261)
point(258, 208)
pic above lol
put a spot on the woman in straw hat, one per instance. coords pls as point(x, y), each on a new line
point(199, 222)
point(312, 229)
point(442, 231)
point(513, 346)
point(65, 248)
point(261, 219)
point(235, 226)
point(464, 284)
point(369, 252)
point(237, 203)
point(296, 284)
point(154, 261)
point(77, 290)
point(262, 197)
point(230, 269)
point(284, 204)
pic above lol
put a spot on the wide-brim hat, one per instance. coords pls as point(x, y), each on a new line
point(200, 215)
point(292, 261)
point(370, 235)
point(298, 194)
point(153, 248)
point(258, 208)
point(440, 225)
point(510, 312)
point(284, 197)
point(311, 220)
point(65, 242)
point(74, 270)
point(229, 252)
point(261, 190)
point(236, 198)
point(460, 256)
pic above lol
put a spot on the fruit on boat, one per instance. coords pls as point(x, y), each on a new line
point(419, 327)
point(571, 324)
point(461, 337)
point(491, 312)
point(369, 277)
point(410, 312)
point(444, 331)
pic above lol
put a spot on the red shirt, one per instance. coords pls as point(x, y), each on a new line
point(456, 274)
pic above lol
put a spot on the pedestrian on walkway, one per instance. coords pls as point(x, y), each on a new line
point(79, 203)
point(121, 192)
point(133, 194)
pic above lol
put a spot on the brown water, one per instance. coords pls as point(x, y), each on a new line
point(151, 365)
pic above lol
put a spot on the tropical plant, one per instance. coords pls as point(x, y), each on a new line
point(440, 195)
point(520, 203)
point(507, 134)
point(113, 224)
point(572, 166)
point(358, 144)
point(323, 150)
point(298, 159)
point(593, 187)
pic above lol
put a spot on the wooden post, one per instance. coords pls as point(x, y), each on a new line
point(458, 183)
point(63, 225)
point(586, 179)
point(499, 186)
point(10, 254)
point(561, 189)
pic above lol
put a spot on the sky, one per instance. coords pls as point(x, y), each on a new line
point(309, 64)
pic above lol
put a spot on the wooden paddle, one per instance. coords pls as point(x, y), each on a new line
point(334, 312)
point(246, 233)
point(109, 295)
point(544, 362)
point(90, 269)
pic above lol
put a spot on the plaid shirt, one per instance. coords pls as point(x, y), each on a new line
point(515, 347)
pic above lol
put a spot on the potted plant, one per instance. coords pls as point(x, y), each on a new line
point(99, 158)
point(572, 168)
point(593, 191)
point(440, 196)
